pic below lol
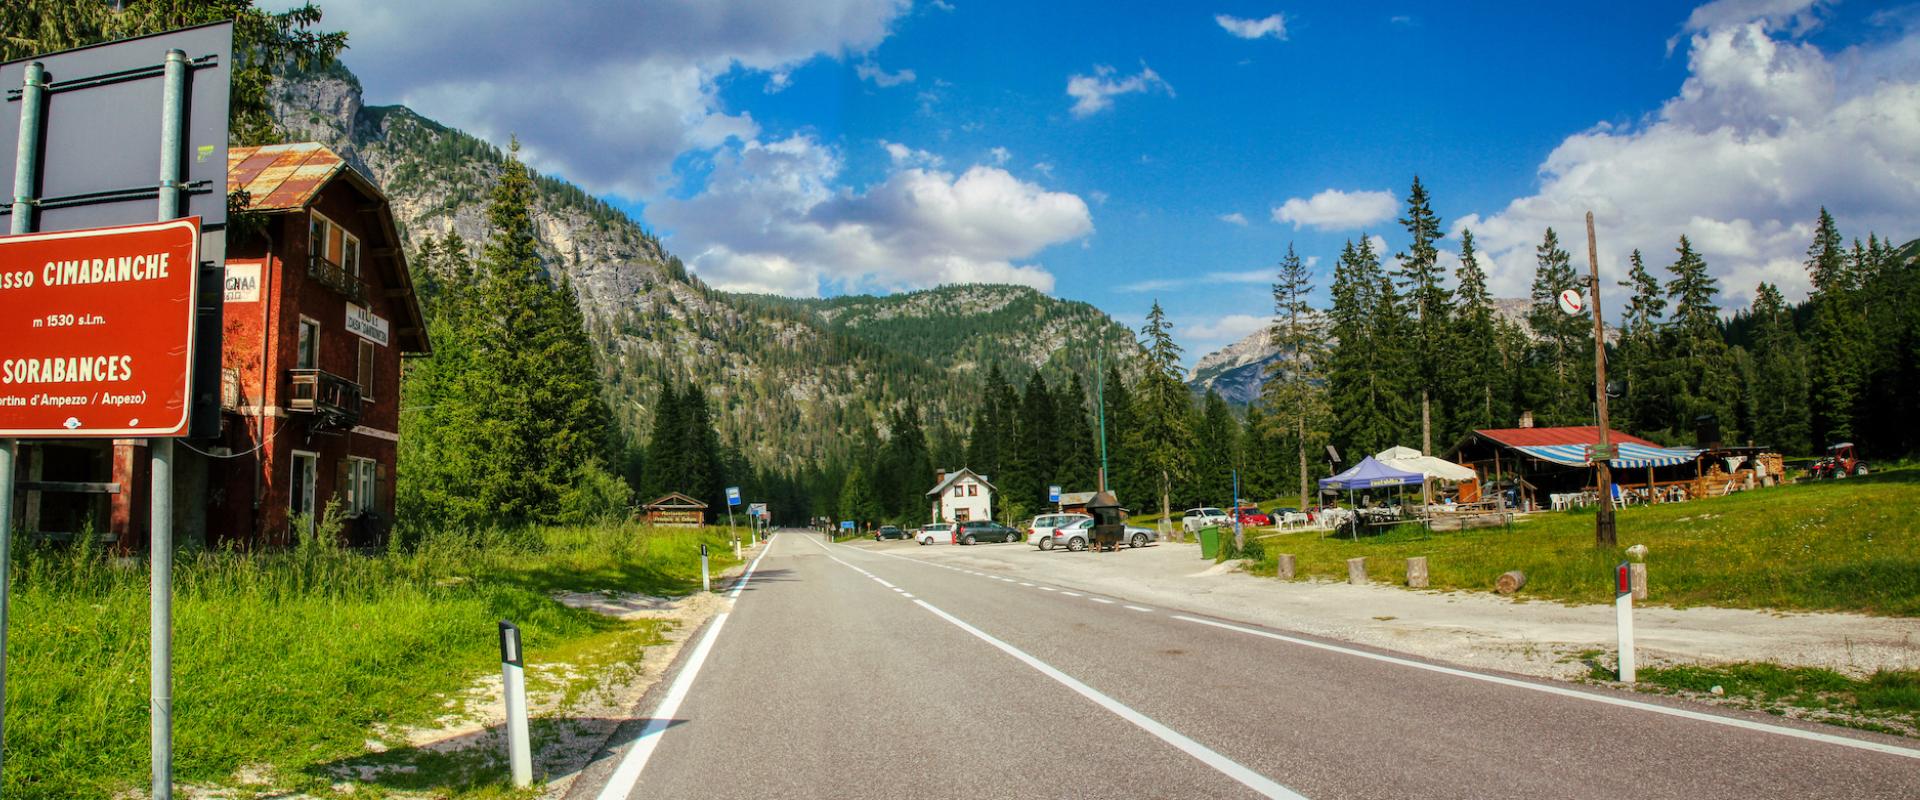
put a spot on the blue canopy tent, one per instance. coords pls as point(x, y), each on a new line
point(1369, 474)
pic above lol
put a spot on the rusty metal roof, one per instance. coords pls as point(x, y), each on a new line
point(281, 177)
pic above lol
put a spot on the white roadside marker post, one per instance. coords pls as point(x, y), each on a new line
point(706, 583)
point(514, 681)
point(1623, 618)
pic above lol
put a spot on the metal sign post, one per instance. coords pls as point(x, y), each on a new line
point(1623, 617)
point(26, 163)
point(513, 681)
point(88, 161)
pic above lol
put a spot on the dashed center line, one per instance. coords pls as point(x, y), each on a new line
point(1138, 608)
point(1100, 600)
point(1069, 594)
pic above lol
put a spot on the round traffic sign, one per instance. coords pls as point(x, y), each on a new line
point(1571, 301)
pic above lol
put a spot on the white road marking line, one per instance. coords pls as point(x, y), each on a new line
point(1101, 600)
point(1578, 695)
point(1138, 608)
point(1028, 585)
point(903, 594)
point(1253, 780)
point(1047, 589)
point(627, 775)
point(1069, 594)
point(900, 590)
point(883, 582)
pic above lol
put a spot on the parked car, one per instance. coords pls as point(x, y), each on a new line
point(934, 533)
point(1074, 536)
point(1196, 518)
point(889, 532)
point(985, 530)
point(1044, 531)
point(1252, 515)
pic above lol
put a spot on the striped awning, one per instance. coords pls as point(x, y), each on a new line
point(1629, 455)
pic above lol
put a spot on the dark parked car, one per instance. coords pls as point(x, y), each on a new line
point(889, 532)
point(980, 530)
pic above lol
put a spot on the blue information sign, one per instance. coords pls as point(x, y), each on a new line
point(1053, 494)
point(846, 524)
point(733, 495)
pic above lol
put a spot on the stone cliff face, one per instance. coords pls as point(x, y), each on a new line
point(792, 381)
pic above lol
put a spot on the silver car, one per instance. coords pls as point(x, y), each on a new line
point(1045, 531)
point(1074, 536)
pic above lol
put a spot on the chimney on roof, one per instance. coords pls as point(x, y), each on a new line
point(939, 476)
point(1526, 419)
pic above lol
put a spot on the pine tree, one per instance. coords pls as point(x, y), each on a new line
point(1394, 374)
point(1780, 376)
point(1161, 438)
point(522, 433)
point(1641, 356)
point(1562, 394)
point(1217, 443)
point(1834, 351)
point(990, 423)
point(1421, 280)
point(1700, 368)
point(1479, 377)
point(1076, 461)
point(1027, 467)
point(1124, 478)
point(1295, 391)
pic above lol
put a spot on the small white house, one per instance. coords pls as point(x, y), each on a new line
point(961, 495)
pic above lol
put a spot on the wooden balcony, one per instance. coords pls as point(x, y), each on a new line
point(333, 401)
point(337, 278)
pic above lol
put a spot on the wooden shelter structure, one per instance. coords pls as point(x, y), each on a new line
point(1537, 463)
point(676, 509)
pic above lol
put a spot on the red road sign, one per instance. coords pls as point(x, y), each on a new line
point(96, 330)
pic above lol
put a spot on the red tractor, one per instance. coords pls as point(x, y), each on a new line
point(1841, 462)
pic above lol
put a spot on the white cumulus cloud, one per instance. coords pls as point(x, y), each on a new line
point(598, 93)
point(869, 71)
point(1094, 93)
point(1274, 25)
point(1765, 130)
point(773, 220)
point(1235, 218)
point(1336, 210)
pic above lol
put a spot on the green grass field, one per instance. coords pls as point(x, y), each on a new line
point(291, 659)
point(1851, 545)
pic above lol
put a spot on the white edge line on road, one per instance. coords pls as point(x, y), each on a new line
point(1578, 695)
point(626, 776)
point(1138, 608)
point(1232, 769)
point(1101, 600)
point(1069, 594)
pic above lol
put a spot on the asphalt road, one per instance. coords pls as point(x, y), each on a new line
point(854, 672)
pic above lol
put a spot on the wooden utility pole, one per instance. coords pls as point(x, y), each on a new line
point(1426, 446)
point(1603, 529)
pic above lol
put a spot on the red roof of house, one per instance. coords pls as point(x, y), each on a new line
point(1541, 437)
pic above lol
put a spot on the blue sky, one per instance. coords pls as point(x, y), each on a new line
point(1120, 153)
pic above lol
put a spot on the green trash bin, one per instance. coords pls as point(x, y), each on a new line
point(1210, 542)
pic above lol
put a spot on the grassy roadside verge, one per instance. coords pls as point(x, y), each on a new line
point(1887, 701)
point(287, 660)
point(1850, 545)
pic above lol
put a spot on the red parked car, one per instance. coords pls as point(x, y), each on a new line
point(1251, 515)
